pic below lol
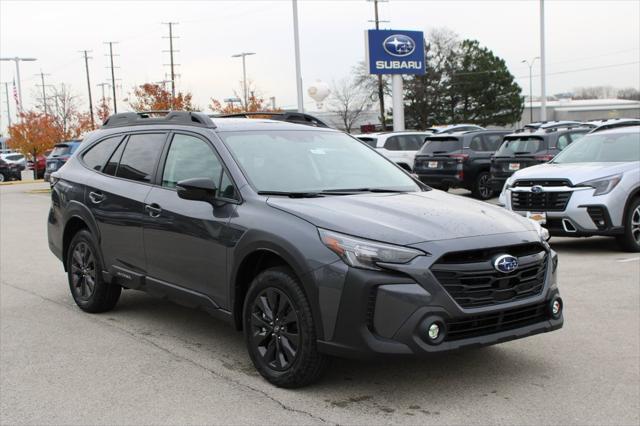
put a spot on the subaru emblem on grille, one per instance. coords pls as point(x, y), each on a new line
point(505, 263)
point(536, 189)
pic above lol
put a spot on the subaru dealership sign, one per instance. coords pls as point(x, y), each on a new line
point(395, 52)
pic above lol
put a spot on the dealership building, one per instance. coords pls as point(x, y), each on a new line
point(582, 110)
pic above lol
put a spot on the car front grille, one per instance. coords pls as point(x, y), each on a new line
point(494, 322)
point(472, 281)
point(540, 201)
point(544, 183)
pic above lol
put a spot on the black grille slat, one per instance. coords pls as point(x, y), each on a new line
point(541, 201)
point(544, 183)
point(478, 284)
point(479, 325)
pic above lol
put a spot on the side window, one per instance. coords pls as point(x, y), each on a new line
point(140, 156)
point(493, 142)
point(476, 143)
point(191, 157)
point(96, 157)
point(576, 136)
point(370, 141)
point(112, 165)
point(392, 144)
point(563, 141)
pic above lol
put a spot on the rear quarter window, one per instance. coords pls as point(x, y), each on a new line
point(521, 146)
point(96, 156)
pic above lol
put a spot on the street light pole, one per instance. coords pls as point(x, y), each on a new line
point(543, 77)
point(530, 65)
point(245, 89)
point(17, 60)
point(296, 42)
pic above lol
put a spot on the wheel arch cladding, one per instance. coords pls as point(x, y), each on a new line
point(71, 228)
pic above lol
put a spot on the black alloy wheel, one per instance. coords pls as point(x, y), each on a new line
point(83, 271)
point(483, 190)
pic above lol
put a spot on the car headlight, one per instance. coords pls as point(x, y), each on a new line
point(366, 254)
point(543, 232)
point(603, 185)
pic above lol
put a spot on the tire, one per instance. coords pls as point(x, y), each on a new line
point(630, 240)
point(282, 347)
point(84, 272)
point(2, 177)
point(482, 188)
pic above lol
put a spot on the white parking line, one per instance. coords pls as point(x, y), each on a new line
point(631, 259)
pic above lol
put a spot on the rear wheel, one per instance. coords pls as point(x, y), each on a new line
point(482, 189)
point(279, 330)
point(2, 177)
point(630, 240)
point(84, 269)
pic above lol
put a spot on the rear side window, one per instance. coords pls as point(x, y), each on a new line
point(441, 145)
point(477, 144)
point(563, 141)
point(493, 142)
point(61, 150)
point(404, 143)
point(140, 156)
point(96, 157)
point(369, 141)
point(112, 165)
point(521, 146)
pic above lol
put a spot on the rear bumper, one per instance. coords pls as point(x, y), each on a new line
point(448, 180)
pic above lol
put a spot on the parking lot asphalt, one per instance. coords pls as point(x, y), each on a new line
point(153, 362)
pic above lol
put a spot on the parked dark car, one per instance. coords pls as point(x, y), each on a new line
point(311, 242)
point(459, 160)
point(528, 148)
point(9, 171)
point(59, 155)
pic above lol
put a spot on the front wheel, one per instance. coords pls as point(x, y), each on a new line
point(482, 189)
point(630, 240)
point(279, 330)
point(2, 177)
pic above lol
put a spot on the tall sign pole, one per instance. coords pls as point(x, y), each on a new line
point(543, 61)
point(296, 42)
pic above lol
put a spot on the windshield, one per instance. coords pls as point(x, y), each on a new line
point(617, 147)
point(14, 157)
point(441, 145)
point(61, 150)
point(524, 145)
point(312, 161)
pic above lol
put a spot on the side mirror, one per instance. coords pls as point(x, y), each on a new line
point(197, 189)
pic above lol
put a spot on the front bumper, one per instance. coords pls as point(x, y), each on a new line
point(388, 313)
point(584, 215)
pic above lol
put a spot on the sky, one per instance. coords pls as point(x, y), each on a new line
point(589, 42)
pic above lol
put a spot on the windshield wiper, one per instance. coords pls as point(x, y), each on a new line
point(522, 153)
point(356, 190)
point(292, 194)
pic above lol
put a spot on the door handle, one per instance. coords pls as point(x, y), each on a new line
point(154, 210)
point(96, 197)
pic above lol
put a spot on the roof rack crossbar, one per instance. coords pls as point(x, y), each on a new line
point(143, 118)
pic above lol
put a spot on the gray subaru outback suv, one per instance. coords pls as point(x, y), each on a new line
point(306, 239)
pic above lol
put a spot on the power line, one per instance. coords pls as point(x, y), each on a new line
point(86, 65)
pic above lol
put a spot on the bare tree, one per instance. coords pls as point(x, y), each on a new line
point(65, 113)
point(629, 93)
point(348, 99)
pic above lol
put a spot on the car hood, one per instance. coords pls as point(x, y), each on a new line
point(575, 172)
point(406, 218)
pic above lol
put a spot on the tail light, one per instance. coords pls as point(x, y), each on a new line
point(545, 158)
point(460, 157)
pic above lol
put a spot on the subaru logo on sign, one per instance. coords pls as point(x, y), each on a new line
point(536, 189)
point(505, 263)
point(399, 45)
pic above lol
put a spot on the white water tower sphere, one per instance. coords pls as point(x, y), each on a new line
point(319, 92)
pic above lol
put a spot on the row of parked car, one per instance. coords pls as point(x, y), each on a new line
point(13, 163)
point(477, 159)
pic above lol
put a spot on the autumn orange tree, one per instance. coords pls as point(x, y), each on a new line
point(33, 134)
point(103, 111)
point(154, 97)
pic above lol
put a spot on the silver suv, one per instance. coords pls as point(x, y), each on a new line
point(590, 188)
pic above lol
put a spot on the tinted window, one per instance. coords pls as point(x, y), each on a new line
point(312, 161)
point(97, 155)
point(404, 143)
point(477, 144)
point(369, 141)
point(14, 157)
point(617, 147)
point(61, 150)
point(190, 157)
point(441, 145)
point(140, 157)
point(523, 145)
point(112, 165)
point(493, 142)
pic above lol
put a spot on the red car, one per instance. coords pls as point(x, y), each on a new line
point(42, 164)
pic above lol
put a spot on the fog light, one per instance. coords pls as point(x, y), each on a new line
point(556, 308)
point(434, 331)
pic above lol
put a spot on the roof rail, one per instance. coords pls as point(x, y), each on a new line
point(143, 118)
point(288, 116)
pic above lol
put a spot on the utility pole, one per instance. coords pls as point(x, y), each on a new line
point(102, 85)
point(17, 60)
point(273, 102)
point(6, 95)
point(44, 92)
point(245, 89)
point(171, 64)
point(113, 75)
point(86, 66)
point(530, 65)
point(380, 83)
point(296, 43)
point(543, 62)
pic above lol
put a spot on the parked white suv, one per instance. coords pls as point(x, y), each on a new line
point(590, 188)
point(399, 147)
